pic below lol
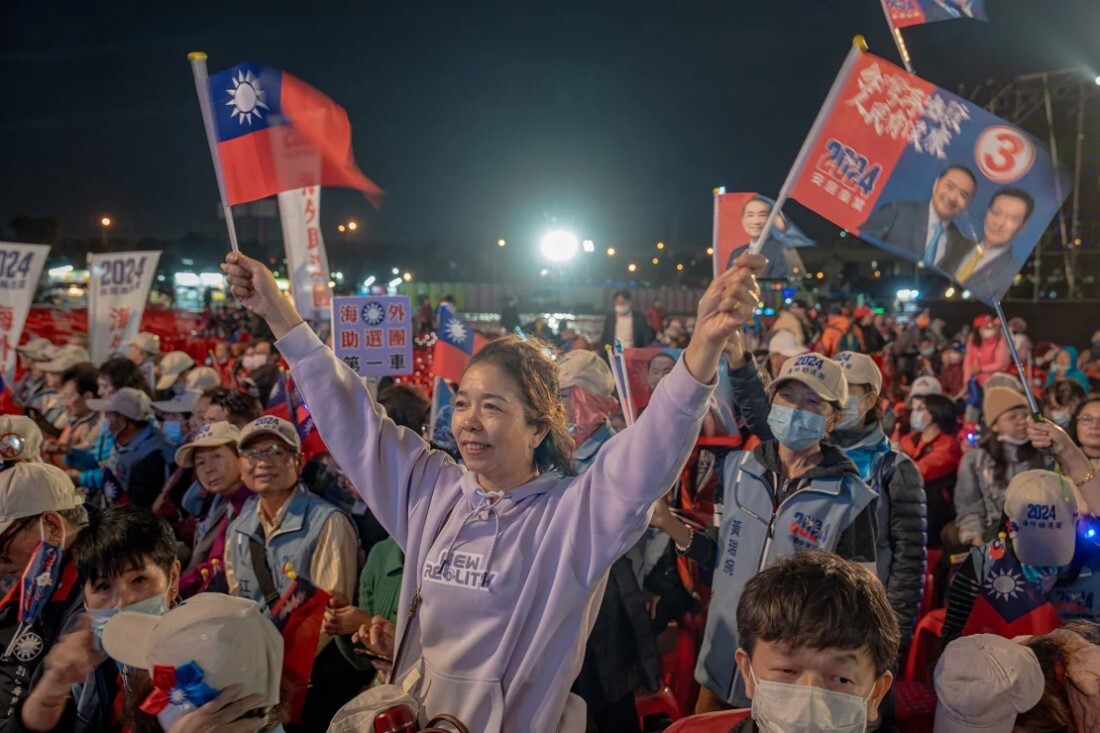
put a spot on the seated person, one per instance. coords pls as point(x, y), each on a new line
point(1070, 660)
point(983, 683)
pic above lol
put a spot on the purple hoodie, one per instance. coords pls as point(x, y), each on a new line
point(503, 625)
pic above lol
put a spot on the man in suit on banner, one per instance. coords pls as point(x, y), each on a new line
point(987, 268)
point(754, 215)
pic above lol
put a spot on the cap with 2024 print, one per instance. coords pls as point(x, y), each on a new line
point(983, 682)
point(228, 638)
point(821, 374)
point(128, 402)
point(1042, 508)
point(860, 369)
point(210, 436)
point(29, 489)
point(273, 426)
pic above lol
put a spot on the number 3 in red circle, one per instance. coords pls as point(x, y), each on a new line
point(1004, 154)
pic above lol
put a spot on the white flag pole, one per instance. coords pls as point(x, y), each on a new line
point(202, 86)
point(898, 40)
point(859, 46)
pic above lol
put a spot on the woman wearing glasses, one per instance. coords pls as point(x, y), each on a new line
point(506, 555)
point(1086, 428)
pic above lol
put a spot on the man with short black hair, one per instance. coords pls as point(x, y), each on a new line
point(626, 325)
point(987, 268)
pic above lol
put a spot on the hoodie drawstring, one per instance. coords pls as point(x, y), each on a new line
point(487, 505)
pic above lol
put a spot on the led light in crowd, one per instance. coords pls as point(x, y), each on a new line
point(908, 294)
point(950, 292)
point(559, 245)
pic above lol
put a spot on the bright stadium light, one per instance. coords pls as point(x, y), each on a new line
point(589, 245)
point(559, 245)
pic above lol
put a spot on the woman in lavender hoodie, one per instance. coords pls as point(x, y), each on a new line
point(506, 556)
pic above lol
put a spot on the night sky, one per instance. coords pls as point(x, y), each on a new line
point(481, 120)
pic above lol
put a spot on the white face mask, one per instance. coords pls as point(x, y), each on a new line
point(1011, 440)
point(782, 708)
point(851, 416)
point(918, 420)
point(1061, 418)
point(622, 310)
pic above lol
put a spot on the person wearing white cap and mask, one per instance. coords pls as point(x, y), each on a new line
point(171, 371)
point(144, 348)
point(142, 458)
point(983, 683)
point(796, 491)
point(214, 663)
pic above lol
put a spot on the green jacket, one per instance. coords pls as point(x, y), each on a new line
point(379, 592)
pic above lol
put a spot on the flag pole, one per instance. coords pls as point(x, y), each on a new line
point(202, 86)
point(898, 40)
point(714, 231)
point(1016, 360)
point(859, 46)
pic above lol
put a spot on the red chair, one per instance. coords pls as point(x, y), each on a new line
point(678, 667)
point(709, 722)
point(931, 589)
point(923, 649)
point(653, 704)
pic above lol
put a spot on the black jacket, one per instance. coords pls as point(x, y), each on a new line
point(642, 332)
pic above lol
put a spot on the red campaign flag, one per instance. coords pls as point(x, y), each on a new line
point(739, 220)
point(276, 133)
point(298, 616)
point(904, 13)
point(457, 344)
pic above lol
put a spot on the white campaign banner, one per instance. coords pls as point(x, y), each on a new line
point(117, 293)
point(20, 267)
point(306, 261)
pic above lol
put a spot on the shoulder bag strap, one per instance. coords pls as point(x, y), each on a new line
point(262, 569)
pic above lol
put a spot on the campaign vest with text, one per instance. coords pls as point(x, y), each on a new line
point(1079, 597)
point(753, 535)
point(294, 542)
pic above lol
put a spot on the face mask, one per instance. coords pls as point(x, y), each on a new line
point(988, 333)
point(783, 708)
point(155, 606)
point(851, 416)
point(253, 361)
point(1060, 418)
point(927, 352)
point(622, 310)
point(173, 431)
point(1011, 440)
point(796, 429)
point(918, 420)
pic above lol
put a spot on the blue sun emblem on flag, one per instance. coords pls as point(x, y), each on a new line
point(373, 313)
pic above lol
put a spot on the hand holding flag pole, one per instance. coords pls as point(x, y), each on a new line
point(859, 46)
point(202, 84)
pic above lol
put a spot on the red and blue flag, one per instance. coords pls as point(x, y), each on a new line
point(276, 133)
point(298, 616)
point(904, 13)
point(457, 343)
point(739, 220)
point(1009, 604)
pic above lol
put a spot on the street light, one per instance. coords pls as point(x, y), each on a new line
point(105, 224)
point(655, 260)
point(610, 251)
point(352, 226)
point(660, 245)
point(679, 265)
point(710, 250)
point(341, 228)
point(632, 267)
point(501, 243)
point(559, 245)
point(407, 277)
point(395, 271)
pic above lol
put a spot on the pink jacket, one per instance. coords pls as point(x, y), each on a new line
point(982, 361)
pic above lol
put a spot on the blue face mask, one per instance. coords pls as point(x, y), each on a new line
point(155, 606)
point(173, 431)
point(796, 429)
point(1043, 578)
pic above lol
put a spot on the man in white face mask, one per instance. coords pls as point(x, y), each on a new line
point(818, 640)
point(626, 325)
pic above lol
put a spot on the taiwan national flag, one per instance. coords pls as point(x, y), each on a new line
point(297, 616)
point(1009, 604)
point(904, 13)
point(457, 343)
point(927, 175)
point(276, 133)
point(739, 219)
point(439, 421)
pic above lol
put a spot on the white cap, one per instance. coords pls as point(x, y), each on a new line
point(37, 349)
point(860, 369)
point(28, 489)
point(229, 639)
point(202, 378)
point(1042, 509)
point(585, 370)
point(821, 374)
point(181, 403)
point(925, 385)
point(270, 425)
point(785, 343)
point(66, 358)
point(171, 366)
point(211, 436)
point(20, 439)
point(147, 342)
point(982, 682)
point(128, 402)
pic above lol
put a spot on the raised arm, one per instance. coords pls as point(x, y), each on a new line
point(749, 397)
point(393, 469)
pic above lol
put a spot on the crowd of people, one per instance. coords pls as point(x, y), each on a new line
point(886, 516)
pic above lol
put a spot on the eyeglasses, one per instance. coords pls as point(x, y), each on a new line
point(274, 452)
point(1088, 419)
point(9, 537)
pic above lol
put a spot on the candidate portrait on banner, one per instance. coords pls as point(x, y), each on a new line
point(739, 222)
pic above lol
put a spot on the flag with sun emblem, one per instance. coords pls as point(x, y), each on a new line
point(457, 343)
point(1009, 604)
point(276, 133)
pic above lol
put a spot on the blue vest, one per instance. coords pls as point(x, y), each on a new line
point(754, 534)
point(1080, 598)
point(294, 542)
point(123, 458)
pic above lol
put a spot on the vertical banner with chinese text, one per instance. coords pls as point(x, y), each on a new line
point(306, 261)
point(20, 267)
point(373, 334)
point(118, 289)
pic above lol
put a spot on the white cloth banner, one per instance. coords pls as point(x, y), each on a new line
point(117, 293)
point(20, 267)
point(306, 261)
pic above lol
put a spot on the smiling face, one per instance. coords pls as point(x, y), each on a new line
point(490, 423)
point(1004, 220)
point(660, 367)
point(952, 193)
point(754, 217)
point(1088, 427)
point(269, 466)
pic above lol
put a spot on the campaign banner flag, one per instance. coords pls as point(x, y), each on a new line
point(298, 615)
point(904, 13)
point(306, 260)
point(929, 176)
point(645, 368)
point(118, 290)
point(373, 334)
point(274, 133)
point(439, 421)
point(457, 344)
point(20, 267)
point(739, 220)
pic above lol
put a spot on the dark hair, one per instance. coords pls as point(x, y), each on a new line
point(624, 294)
point(526, 362)
point(84, 375)
point(121, 372)
point(942, 410)
point(407, 406)
point(1017, 193)
point(761, 199)
point(1089, 400)
point(1026, 453)
point(240, 407)
point(1053, 712)
point(963, 168)
point(263, 381)
point(1064, 391)
point(122, 538)
point(821, 601)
